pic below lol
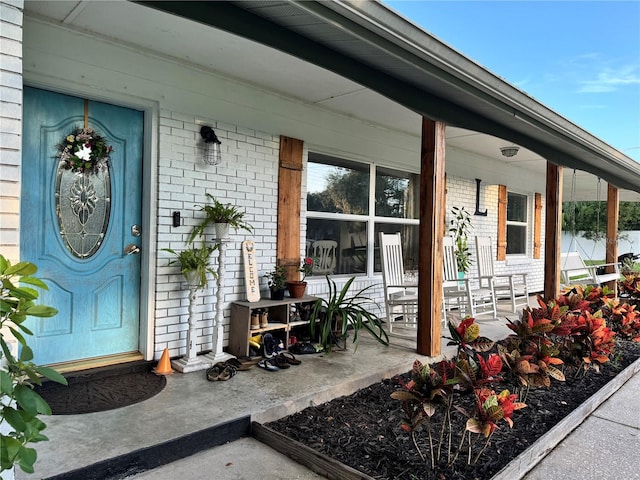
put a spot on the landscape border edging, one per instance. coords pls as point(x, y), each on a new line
point(514, 470)
point(527, 460)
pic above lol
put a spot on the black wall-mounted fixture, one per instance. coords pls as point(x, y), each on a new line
point(212, 154)
point(478, 212)
point(176, 219)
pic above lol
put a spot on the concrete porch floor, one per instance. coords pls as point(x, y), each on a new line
point(190, 404)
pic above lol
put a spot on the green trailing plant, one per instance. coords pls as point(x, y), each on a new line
point(277, 278)
point(341, 311)
point(20, 404)
point(195, 263)
point(460, 229)
point(218, 212)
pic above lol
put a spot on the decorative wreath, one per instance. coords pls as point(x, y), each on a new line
point(84, 151)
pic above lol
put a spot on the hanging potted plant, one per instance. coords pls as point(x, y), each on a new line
point(460, 229)
point(277, 279)
point(297, 287)
point(339, 312)
point(222, 217)
point(195, 264)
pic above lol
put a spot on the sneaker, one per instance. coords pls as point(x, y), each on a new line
point(269, 345)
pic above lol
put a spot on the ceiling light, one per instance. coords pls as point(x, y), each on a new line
point(509, 151)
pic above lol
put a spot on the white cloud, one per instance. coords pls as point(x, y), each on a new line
point(609, 80)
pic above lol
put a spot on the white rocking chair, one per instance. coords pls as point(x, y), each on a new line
point(401, 301)
point(323, 253)
point(466, 293)
point(511, 285)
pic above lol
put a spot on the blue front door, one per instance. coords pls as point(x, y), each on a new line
point(82, 230)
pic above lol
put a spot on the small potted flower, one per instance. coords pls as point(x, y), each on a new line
point(297, 287)
point(277, 279)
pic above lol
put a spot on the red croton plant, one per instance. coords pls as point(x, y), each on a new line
point(570, 334)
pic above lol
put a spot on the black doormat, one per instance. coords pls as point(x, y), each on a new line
point(100, 389)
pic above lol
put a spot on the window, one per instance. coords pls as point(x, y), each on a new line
point(343, 207)
point(517, 223)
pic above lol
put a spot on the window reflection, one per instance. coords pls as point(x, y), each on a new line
point(409, 236)
point(516, 224)
point(397, 193)
point(339, 196)
point(337, 186)
point(351, 239)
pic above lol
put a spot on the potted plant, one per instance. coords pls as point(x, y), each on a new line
point(460, 228)
point(341, 311)
point(277, 280)
point(221, 216)
point(195, 264)
point(297, 287)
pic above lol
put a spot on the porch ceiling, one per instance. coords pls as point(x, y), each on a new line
point(360, 60)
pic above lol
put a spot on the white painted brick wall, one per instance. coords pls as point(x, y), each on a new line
point(247, 177)
point(10, 126)
point(462, 193)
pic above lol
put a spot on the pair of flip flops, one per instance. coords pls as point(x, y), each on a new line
point(221, 371)
point(268, 365)
point(289, 358)
point(241, 364)
point(281, 361)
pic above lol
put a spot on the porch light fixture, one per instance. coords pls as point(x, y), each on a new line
point(509, 151)
point(212, 155)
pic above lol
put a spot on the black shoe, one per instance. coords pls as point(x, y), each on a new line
point(269, 345)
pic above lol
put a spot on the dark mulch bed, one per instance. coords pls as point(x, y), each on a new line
point(362, 430)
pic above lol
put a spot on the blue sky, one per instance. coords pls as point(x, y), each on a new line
point(579, 58)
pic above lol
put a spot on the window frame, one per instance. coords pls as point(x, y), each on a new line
point(371, 219)
point(526, 224)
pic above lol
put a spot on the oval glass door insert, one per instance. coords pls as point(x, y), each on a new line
point(83, 207)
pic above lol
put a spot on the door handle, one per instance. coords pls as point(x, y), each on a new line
point(131, 249)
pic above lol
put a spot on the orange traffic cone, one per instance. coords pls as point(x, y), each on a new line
point(164, 365)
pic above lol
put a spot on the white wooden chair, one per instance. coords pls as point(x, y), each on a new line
point(573, 271)
point(323, 253)
point(466, 293)
point(511, 285)
point(401, 301)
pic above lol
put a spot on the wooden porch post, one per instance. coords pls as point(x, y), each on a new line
point(432, 219)
point(553, 231)
point(289, 200)
point(613, 210)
